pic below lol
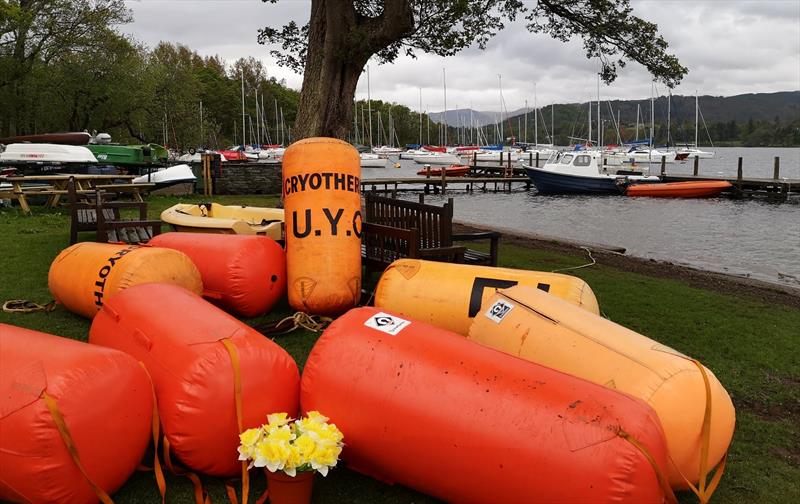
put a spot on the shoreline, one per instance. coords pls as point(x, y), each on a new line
point(607, 255)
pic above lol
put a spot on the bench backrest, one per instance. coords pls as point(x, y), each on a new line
point(434, 223)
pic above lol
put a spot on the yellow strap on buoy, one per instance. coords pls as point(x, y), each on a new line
point(156, 425)
point(200, 495)
point(705, 488)
point(71, 448)
point(662, 479)
point(237, 395)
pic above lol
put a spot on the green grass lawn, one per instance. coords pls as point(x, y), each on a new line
point(752, 347)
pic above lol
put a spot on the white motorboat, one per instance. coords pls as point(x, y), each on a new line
point(165, 177)
point(385, 150)
point(581, 172)
point(372, 161)
point(27, 153)
point(410, 153)
point(648, 155)
point(496, 156)
point(693, 152)
point(437, 158)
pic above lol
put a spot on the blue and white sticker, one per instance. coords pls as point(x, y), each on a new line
point(390, 324)
point(499, 310)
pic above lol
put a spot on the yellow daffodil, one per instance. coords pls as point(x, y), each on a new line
point(307, 444)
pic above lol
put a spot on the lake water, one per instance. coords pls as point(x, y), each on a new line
point(742, 237)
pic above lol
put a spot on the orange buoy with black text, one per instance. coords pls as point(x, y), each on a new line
point(86, 274)
point(692, 405)
point(322, 203)
point(207, 368)
point(426, 408)
point(243, 274)
point(450, 295)
point(75, 418)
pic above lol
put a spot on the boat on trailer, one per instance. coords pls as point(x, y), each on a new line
point(692, 189)
point(168, 177)
point(43, 153)
point(69, 138)
point(581, 172)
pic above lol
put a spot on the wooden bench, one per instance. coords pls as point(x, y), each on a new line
point(104, 217)
point(433, 225)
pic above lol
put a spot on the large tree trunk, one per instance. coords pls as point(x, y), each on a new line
point(340, 43)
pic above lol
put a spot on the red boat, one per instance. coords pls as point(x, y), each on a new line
point(233, 155)
point(434, 148)
point(699, 189)
point(450, 171)
point(74, 138)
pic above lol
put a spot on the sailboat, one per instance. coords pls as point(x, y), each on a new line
point(371, 160)
point(692, 151)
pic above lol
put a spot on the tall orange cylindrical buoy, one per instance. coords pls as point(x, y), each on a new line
point(86, 274)
point(429, 409)
point(322, 200)
point(525, 322)
point(243, 274)
point(53, 389)
point(450, 295)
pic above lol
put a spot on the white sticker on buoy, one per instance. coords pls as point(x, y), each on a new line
point(497, 311)
point(389, 324)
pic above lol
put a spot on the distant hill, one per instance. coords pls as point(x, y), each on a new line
point(741, 108)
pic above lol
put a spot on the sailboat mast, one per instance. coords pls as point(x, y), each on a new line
point(526, 119)
point(599, 124)
point(535, 117)
point(444, 85)
point(637, 121)
point(244, 126)
point(669, 117)
point(201, 123)
point(696, 109)
point(652, 113)
point(590, 121)
point(369, 110)
point(500, 85)
point(420, 116)
point(552, 123)
point(277, 128)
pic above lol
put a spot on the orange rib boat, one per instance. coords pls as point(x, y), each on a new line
point(699, 189)
point(450, 171)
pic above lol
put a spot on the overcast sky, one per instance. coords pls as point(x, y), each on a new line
point(730, 47)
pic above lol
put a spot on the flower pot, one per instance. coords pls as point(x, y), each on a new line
point(285, 489)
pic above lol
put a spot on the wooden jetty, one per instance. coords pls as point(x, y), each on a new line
point(773, 188)
point(444, 183)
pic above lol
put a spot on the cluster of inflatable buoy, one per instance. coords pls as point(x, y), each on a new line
point(468, 383)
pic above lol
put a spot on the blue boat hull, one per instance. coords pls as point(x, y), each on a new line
point(558, 183)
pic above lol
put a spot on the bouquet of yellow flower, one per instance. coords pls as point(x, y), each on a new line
point(306, 444)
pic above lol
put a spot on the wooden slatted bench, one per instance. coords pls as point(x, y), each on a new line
point(434, 225)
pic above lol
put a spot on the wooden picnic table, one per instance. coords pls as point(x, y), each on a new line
point(54, 186)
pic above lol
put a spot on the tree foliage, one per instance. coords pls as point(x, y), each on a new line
point(608, 28)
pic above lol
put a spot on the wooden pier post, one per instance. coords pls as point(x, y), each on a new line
point(427, 171)
point(663, 165)
point(444, 180)
point(537, 159)
point(776, 174)
point(739, 174)
point(696, 165)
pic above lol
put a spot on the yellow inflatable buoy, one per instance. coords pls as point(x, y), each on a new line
point(692, 405)
point(450, 295)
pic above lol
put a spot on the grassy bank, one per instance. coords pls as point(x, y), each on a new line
point(752, 347)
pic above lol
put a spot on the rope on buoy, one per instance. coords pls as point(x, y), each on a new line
point(588, 251)
point(25, 306)
point(313, 323)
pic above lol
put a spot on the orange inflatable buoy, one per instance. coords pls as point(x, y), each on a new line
point(429, 409)
point(241, 274)
point(72, 416)
point(450, 295)
point(322, 203)
point(527, 323)
point(84, 275)
point(196, 355)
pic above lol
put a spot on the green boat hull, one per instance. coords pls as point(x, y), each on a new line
point(129, 155)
